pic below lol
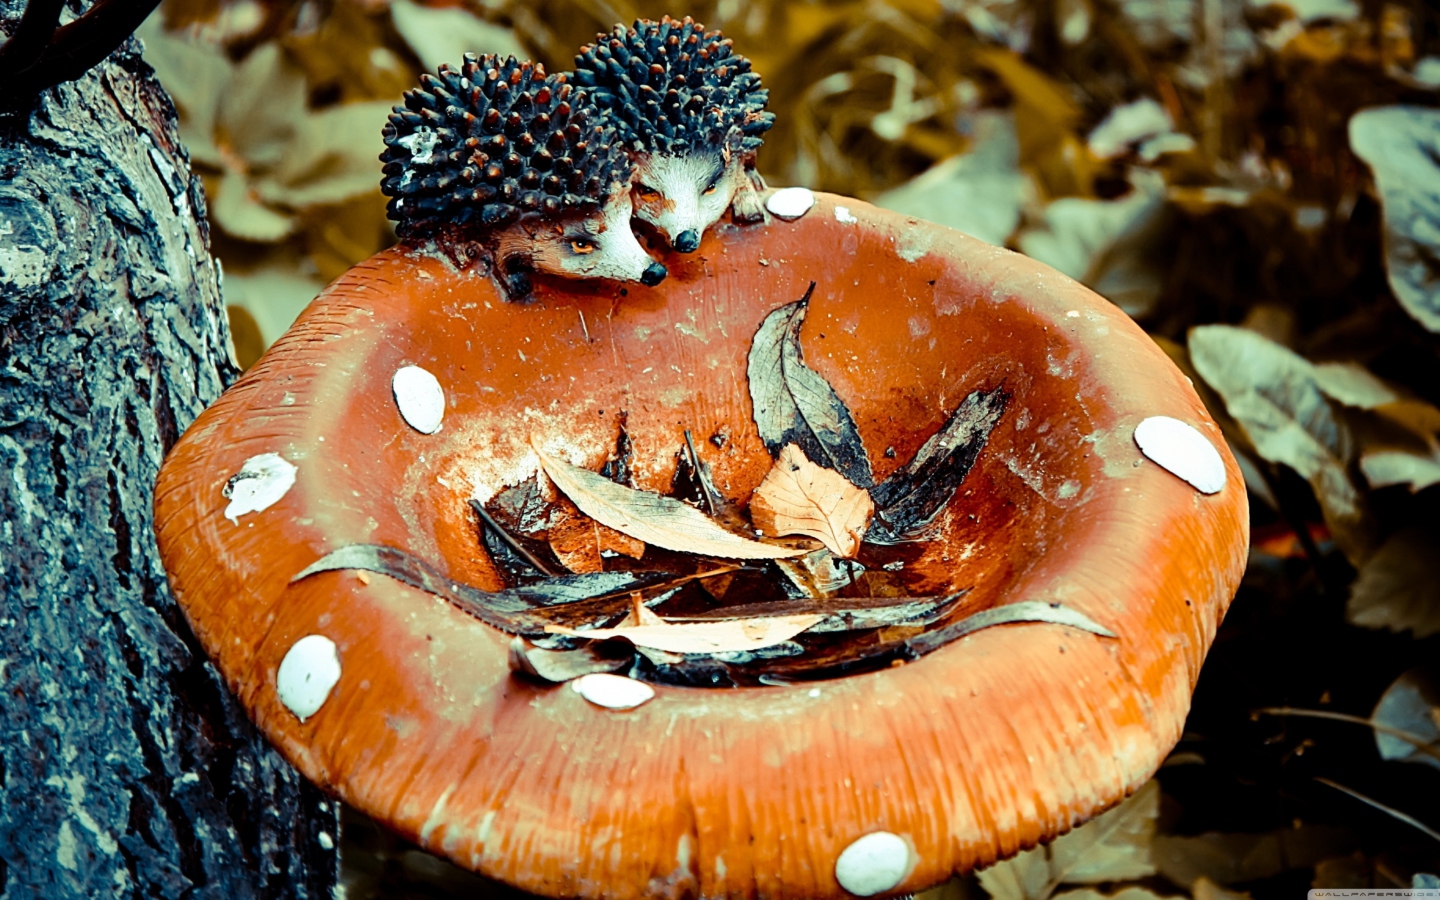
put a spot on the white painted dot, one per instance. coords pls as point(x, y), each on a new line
point(1183, 451)
point(791, 203)
point(420, 398)
point(875, 863)
point(612, 691)
point(261, 481)
point(843, 214)
point(307, 673)
point(325, 840)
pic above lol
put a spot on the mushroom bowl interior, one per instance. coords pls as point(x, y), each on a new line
point(989, 744)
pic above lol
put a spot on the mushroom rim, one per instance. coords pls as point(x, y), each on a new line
point(1160, 723)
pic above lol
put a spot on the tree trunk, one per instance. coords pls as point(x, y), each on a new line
point(127, 769)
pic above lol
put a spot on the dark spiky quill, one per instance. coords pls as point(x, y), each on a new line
point(493, 142)
point(671, 87)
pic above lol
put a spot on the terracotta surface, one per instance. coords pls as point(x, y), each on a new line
point(999, 740)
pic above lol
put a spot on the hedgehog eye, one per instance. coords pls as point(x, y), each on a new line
point(648, 194)
point(713, 186)
point(582, 246)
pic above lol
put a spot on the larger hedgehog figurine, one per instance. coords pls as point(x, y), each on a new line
point(497, 153)
point(692, 113)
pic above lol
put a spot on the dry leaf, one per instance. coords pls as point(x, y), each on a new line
point(515, 610)
point(799, 497)
point(1411, 705)
point(580, 542)
point(728, 636)
point(662, 521)
point(1116, 846)
point(847, 614)
point(556, 666)
point(1129, 892)
point(1238, 858)
point(1402, 144)
point(1399, 587)
point(980, 192)
point(819, 573)
point(794, 404)
point(1385, 468)
point(1205, 889)
point(914, 494)
point(1276, 397)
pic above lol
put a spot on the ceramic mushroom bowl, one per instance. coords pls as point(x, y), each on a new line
point(396, 529)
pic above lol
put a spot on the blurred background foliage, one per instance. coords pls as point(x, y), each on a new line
point(1257, 183)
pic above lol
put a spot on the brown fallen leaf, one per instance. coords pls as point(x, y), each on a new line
point(727, 636)
point(799, 497)
point(556, 666)
point(580, 542)
point(661, 521)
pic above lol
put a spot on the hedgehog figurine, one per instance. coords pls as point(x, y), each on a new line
point(692, 113)
point(499, 154)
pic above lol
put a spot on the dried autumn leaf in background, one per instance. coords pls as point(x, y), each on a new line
point(1411, 704)
point(1399, 586)
point(799, 497)
point(1116, 846)
point(794, 404)
point(652, 518)
point(980, 192)
point(444, 35)
point(1402, 146)
point(1276, 397)
point(1237, 858)
point(1129, 892)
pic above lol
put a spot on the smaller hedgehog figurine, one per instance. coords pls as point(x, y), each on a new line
point(692, 112)
point(500, 154)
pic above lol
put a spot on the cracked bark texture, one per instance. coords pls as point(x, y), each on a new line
point(126, 768)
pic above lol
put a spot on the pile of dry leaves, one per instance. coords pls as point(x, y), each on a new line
point(805, 580)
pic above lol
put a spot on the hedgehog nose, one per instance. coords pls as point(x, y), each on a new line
point(653, 275)
point(687, 241)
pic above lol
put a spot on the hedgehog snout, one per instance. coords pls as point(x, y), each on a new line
point(653, 275)
point(687, 241)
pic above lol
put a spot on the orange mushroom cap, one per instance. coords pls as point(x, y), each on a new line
point(993, 743)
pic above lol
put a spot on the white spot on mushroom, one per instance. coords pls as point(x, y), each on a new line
point(261, 481)
point(873, 864)
point(420, 398)
point(1183, 451)
point(612, 691)
point(421, 144)
point(791, 202)
point(307, 673)
point(843, 214)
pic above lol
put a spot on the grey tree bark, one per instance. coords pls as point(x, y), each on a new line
point(126, 768)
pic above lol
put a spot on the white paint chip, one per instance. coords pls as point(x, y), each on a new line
point(612, 691)
point(420, 398)
point(874, 864)
point(791, 203)
point(1183, 451)
point(843, 214)
point(307, 673)
point(261, 481)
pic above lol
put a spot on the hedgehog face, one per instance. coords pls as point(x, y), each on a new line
point(681, 99)
point(598, 245)
point(682, 195)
